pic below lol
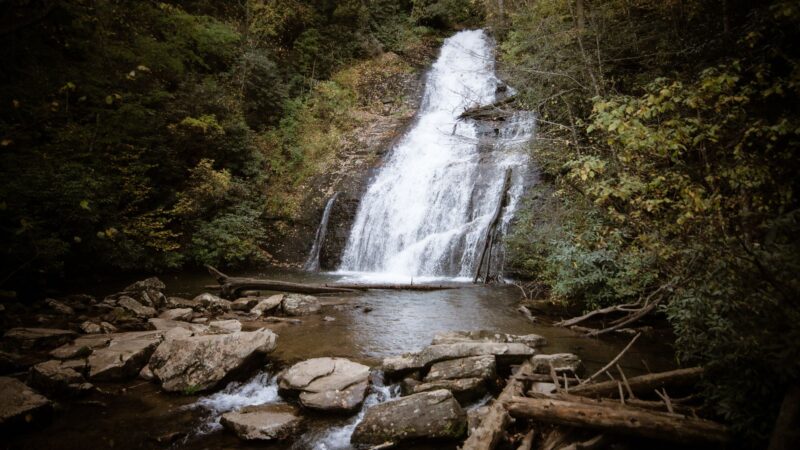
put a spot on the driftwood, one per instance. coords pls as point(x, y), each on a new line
point(273, 319)
point(616, 418)
point(231, 287)
point(491, 112)
point(527, 441)
point(613, 361)
point(488, 239)
point(644, 384)
point(394, 287)
point(488, 434)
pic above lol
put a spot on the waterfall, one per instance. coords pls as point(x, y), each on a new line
point(312, 263)
point(428, 207)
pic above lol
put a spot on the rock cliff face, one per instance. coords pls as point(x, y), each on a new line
point(388, 107)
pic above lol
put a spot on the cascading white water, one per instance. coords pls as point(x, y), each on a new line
point(430, 204)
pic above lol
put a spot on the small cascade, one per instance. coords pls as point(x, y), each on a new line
point(261, 389)
point(428, 208)
point(312, 263)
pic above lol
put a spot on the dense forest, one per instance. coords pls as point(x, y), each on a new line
point(149, 136)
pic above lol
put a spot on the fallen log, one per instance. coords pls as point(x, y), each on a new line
point(230, 286)
point(644, 384)
point(488, 434)
point(620, 419)
point(489, 112)
point(392, 287)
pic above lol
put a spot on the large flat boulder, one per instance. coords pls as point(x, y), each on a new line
point(224, 326)
point(81, 347)
point(196, 363)
point(452, 337)
point(483, 367)
point(124, 356)
point(167, 324)
point(428, 415)
point(21, 405)
point(299, 305)
point(263, 422)
point(39, 338)
point(505, 353)
point(327, 384)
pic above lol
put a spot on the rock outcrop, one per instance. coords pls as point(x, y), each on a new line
point(482, 367)
point(561, 362)
point(38, 338)
point(299, 305)
point(507, 353)
point(124, 356)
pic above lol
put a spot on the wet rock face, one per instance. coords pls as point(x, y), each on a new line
point(58, 377)
point(20, 405)
point(196, 363)
point(263, 422)
point(343, 213)
point(327, 384)
point(428, 415)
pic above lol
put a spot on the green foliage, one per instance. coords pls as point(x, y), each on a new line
point(671, 145)
point(448, 13)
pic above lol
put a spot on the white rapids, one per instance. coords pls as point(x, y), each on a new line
point(427, 209)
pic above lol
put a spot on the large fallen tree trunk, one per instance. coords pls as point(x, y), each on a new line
point(489, 112)
point(644, 384)
point(230, 286)
point(620, 419)
point(489, 432)
point(394, 287)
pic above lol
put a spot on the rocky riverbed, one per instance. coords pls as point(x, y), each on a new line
point(144, 368)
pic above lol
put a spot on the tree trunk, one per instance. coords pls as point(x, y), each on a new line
point(492, 228)
point(786, 434)
point(488, 434)
point(644, 384)
point(620, 419)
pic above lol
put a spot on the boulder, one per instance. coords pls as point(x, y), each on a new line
point(91, 327)
point(196, 363)
point(299, 305)
point(224, 326)
point(213, 303)
point(21, 405)
point(165, 324)
point(28, 338)
point(452, 337)
point(177, 314)
point(152, 283)
point(327, 384)
point(427, 415)
point(482, 367)
point(509, 353)
point(107, 327)
point(136, 308)
point(561, 362)
point(267, 304)
point(59, 307)
point(178, 302)
point(263, 422)
point(244, 303)
point(81, 347)
point(124, 356)
point(57, 377)
point(465, 390)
